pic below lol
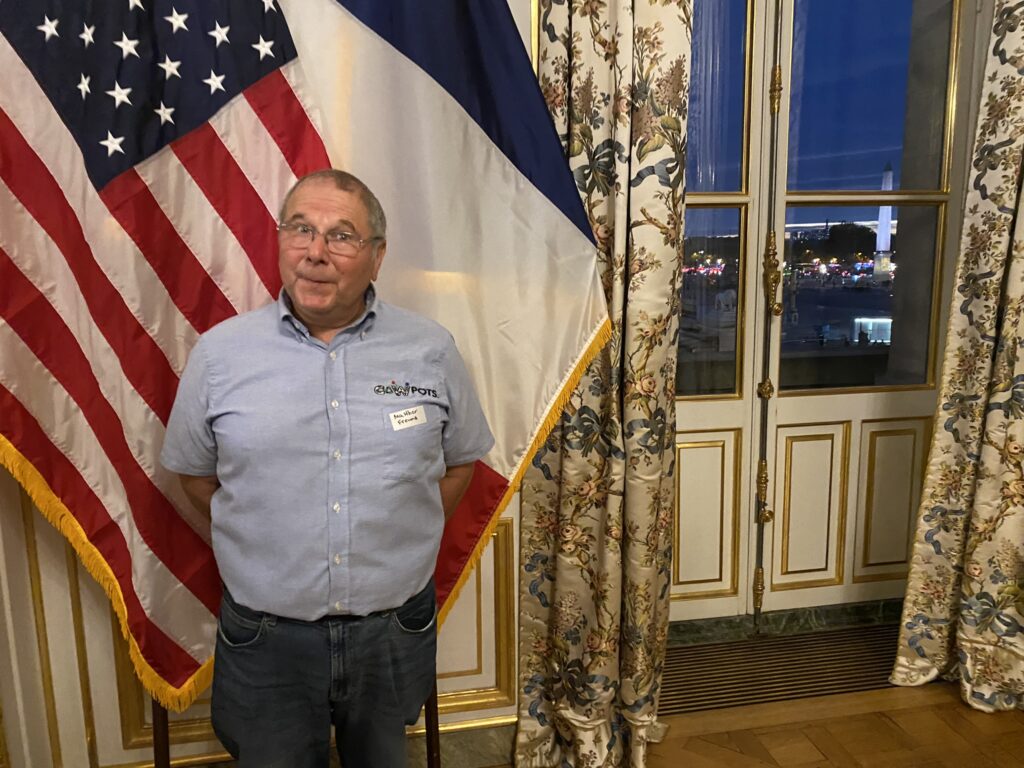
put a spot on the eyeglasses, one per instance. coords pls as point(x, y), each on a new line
point(339, 242)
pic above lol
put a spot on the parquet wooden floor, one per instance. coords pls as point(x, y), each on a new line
point(889, 728)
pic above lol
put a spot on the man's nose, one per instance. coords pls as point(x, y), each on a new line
point(317, 250)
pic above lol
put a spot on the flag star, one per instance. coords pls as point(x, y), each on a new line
point(263, 46)
point(215, 82)
point(113, 144)
point(127, 47)
point(49, 27)
point(169, 67)
point(177, 20)
point(219, 33)
point(120, 95)
point(86, 35)
point(268, 6)
point(135, 4)
point(165, 114)
point(83, 86)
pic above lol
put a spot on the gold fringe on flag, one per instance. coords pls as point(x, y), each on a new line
point(60, 517)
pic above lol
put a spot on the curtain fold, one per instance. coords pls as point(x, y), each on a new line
point(597, 503)
point(963, 615)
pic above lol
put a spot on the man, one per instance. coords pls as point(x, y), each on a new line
point(328, 436)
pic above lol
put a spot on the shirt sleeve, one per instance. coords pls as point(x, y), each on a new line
point(466, 436)
point(190, 447)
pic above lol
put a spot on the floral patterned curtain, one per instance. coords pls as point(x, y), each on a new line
point(596, 518)
point(963, 616)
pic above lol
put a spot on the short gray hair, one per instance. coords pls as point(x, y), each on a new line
point(348, 183)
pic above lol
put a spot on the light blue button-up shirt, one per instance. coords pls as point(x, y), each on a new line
point(328, 455)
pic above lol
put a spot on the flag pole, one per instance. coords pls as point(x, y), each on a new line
point(433, 732)
point(161, 740)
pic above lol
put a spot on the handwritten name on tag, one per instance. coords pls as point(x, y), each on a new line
point(408, 417)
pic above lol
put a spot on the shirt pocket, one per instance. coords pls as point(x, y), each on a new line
point(412, 441)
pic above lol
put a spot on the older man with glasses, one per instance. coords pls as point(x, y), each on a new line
point(328, 436)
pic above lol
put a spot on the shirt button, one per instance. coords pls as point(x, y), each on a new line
point(337, 506)
point(337, 559)
point(334, 355)
point(334, 403)
point(336, 455)
point(337, 606)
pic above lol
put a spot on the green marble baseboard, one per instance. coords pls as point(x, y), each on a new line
point(790, 622)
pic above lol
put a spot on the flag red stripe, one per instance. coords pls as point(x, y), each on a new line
point(17, 425)
point(191, 288)
point(143, 361)
point(232, 195)
point(170, 538)
point(465, 527)
point(285, 119)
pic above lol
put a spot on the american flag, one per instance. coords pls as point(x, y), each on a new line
point(144, 147)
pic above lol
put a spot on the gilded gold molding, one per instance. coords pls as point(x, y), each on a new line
point(81, 654)
point(841, 522)
point(732, 588)
point(503, 692)
point(758, 588)
point(28, 512)
point(775, 90)
point(479, 666)
point(535, 36)
point(766, 390)
point(869, 506)
point(772, 274)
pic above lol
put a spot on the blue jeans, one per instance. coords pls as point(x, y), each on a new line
point(279, 684)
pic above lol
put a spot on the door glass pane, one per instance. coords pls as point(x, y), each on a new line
point(714, 127)
point(868, 100)
point(710, 297)
point(856, 300)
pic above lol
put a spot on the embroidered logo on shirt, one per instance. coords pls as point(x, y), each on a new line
point(403, 390)
point(410, 417)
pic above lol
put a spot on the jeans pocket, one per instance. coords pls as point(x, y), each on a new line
point(419, 614)
point(238, 630)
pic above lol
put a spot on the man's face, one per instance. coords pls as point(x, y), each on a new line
point(327, 289)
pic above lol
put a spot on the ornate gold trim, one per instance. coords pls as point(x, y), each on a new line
point(841, 521)
point(734, 572)
point(479, 667)
point(766, 390)
point(503, 692)
point(39, 616)
point(869, 510)
point(775, 89)
point(772, 274)
point(535, 36)
point(467, 725)
point(823, 437)
point(680, 447)
point(81, 654)
point(758, 588)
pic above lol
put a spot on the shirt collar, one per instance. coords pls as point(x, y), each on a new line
point(286, 312)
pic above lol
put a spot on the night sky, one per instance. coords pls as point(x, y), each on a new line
point(848, 99)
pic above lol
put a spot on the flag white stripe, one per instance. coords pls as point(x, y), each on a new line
point(255, 152)
point(175, 610)
point(112, 248)
point(203, 230)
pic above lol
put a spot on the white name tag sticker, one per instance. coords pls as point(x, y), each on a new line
point(408, 417)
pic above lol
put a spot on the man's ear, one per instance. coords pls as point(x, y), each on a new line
point(378, 257)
